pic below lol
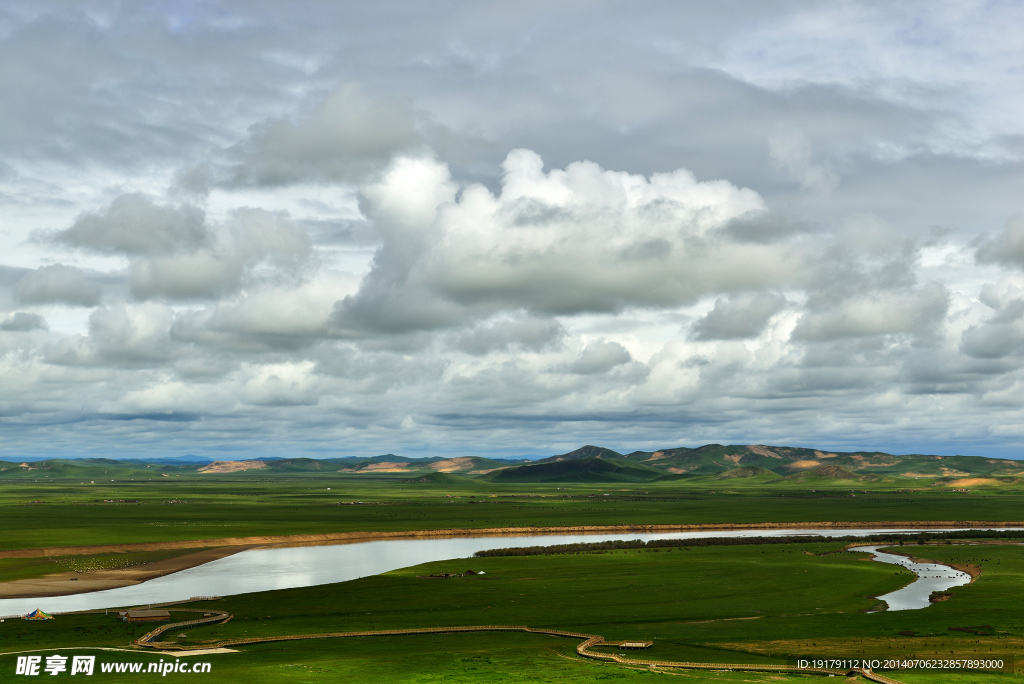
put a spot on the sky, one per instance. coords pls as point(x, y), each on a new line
point(255, 229)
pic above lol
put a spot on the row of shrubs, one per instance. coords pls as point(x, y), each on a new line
point(617, 545)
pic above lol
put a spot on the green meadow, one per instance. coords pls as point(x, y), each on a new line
point(728, 604)
point(62, 513)
point(759, 603)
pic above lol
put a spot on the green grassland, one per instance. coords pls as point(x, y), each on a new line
point(105, 501)
point(473, 659)
point(71, 514)
point(752, 604)
point(721, 604)
point(63, 513)
point(650, 594)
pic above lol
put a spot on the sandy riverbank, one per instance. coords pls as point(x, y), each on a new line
point(65, 583)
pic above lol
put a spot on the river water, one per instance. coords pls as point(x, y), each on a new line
point(930, 577)
point(303, 566)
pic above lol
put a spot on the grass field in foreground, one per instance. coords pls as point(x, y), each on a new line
point(713, 604)
point(72, 514)
point(472, 659)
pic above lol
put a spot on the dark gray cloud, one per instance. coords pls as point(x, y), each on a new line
point(1001, 334)
point(23, 322)
point(135, 225)
point(119, 336)
point(599, 357)
point(531, 334)
point(346, 138)
point(176, 254)
point(253, 239)
point(738, 316)
point(994, 340)
point(1006, 248)
point(198, 275)
point(912, 312)
point(866, 283)
point(9, 275)
point(57, 284)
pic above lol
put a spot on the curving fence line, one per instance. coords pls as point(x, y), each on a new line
point(217, 616)
point(583, 649)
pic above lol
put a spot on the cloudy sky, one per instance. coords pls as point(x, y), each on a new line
point(241, 229)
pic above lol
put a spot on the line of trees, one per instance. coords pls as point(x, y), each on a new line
point(621, 545)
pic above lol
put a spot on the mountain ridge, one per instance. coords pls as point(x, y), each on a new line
point(739, 463)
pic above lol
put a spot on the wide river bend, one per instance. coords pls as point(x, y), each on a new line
point(272, 568)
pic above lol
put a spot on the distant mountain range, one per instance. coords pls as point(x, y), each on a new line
point(748, 464)
point(760, 462)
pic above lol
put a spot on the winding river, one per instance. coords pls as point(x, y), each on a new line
point(930, 577)
point(272, 568)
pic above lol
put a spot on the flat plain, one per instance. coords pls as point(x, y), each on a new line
point(767, 603)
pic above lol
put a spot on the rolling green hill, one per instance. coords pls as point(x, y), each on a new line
point(747, 472)
point(463, 464)
point(824, 473)
point(745, 466)
point(292, 465)
point(718, 458)
point(588, 451)
point(72, 469)
point(383, 458)
point(591, 469)
point(436, 478)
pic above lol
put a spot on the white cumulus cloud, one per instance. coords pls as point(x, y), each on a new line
point(582, 239)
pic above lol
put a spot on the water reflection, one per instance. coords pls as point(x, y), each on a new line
point(283, 568)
